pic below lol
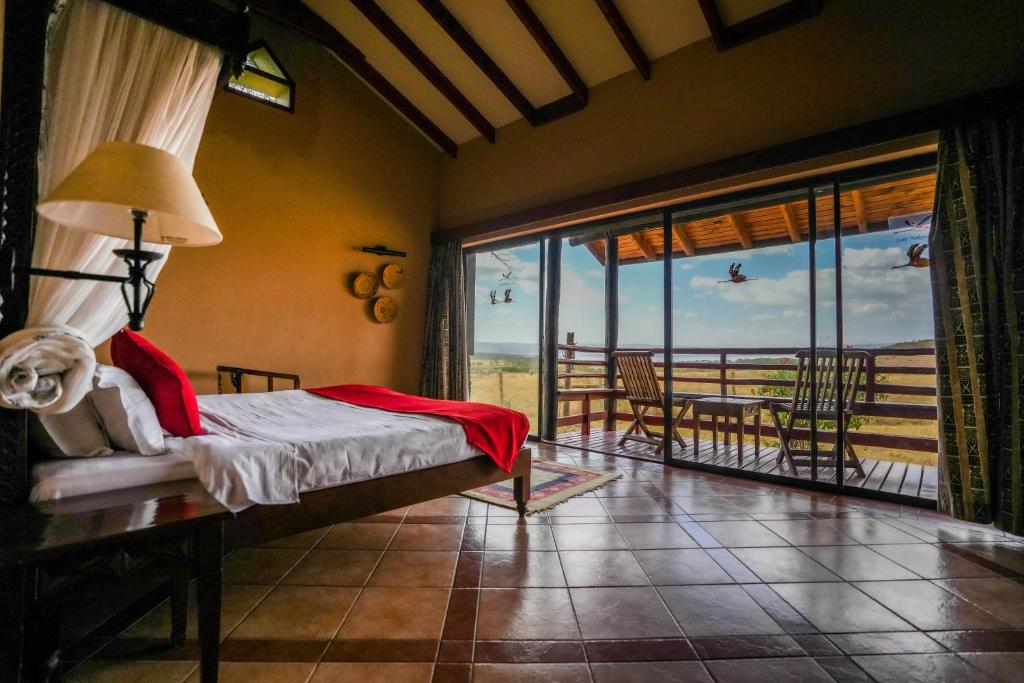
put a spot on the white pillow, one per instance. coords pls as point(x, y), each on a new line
point(74, 434)
point(126, 413)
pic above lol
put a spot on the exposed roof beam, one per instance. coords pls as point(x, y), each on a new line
point(596, 251)
point(859, 210)
point(379, 18)
point(447, 21)
point(680, 232)
point(550, 48)
point(757, 26)
point(742, 231)
point(626, 38)
point(299, 18)
point(792, 226)
point(641, 242)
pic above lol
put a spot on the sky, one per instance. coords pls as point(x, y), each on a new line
point(880, 305)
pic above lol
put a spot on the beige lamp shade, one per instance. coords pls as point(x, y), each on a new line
point(118, 177)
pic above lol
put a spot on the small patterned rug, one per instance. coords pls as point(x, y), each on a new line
point(551, 483)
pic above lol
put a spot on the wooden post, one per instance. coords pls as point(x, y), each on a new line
point(666, 274)
point(585, 425)
point(611, 323)
point(570, 340)
point(501, 387)
point(549, 337)
point(869, 393)
point(723, 384)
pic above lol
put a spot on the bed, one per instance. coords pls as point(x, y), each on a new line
point(288, 461)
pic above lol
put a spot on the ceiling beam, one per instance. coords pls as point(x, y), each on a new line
point(859, 210)
point(447, 21)
point(550, 48)
point(741, 229)
point(757, 26)
point(596, 251)
point(383, 23)
point(680, 232)
point(626, 38)
point(792, 226)
point(643, 245)
point(301, 19)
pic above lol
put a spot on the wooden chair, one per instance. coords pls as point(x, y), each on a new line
point(834, 384)
point(643, 392)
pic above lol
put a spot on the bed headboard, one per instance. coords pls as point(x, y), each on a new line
point(20, 119)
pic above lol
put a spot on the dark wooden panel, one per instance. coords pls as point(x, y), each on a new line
point(550, 48)
point(626, 38)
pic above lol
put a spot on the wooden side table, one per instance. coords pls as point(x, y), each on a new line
point(729, 408)
point(39, 542)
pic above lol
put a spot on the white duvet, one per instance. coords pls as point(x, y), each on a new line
point(268, 448)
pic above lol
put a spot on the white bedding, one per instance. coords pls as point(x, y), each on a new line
point(268, 448)
point(67, 477)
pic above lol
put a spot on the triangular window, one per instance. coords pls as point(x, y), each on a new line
point(264, 79)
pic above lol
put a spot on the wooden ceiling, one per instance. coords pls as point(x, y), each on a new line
point(863, 210)
point(460, 69)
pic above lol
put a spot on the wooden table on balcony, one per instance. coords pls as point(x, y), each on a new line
point(727, 407)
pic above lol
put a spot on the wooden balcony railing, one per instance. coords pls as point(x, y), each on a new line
point(602, 403)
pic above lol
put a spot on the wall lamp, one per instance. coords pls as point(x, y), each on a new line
point(133, 192)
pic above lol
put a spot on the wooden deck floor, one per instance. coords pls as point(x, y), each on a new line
point(915, 481)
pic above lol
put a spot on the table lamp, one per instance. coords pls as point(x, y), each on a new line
point(135, 192)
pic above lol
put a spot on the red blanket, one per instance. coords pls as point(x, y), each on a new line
point(498, 432)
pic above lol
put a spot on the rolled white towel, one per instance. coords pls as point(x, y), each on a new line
point(46, 370)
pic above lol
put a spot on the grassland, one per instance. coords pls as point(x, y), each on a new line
point(512, 381)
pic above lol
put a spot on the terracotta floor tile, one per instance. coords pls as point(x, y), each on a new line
point(132, 672)
point(427, 537)
point(298, 612)
point(654, 536)
point(857, 563)
point(519, 537)
point(526, 614)
point(622, 613)
point(717, 610)
point(303, 541)
point(650, 672)
point(358, 536)
point(699, 504)
point(260, 565)
point(681, 566)
point(578, 507)
point(839, 608)
point(236, 601)
point(899, 642)
point(875, 531)
point(802, 669)
point(588, 537)
point(360, 672)
point(640, 650)
point(530, 673)
point(742, 534)
point(602, 568)
point(415, 568)
point(522, 569)
point(616, 489)
point(930, 562)
point(1004, 666)
point(529, 651)
point(1003, 598)
point(738, 571)
point(260, 672)
point(404, 613)
point(451, 505)
point(641, 505)
point(1009, 555)
point(782, 565)
point(920, 668)
point(809, 532)
point(746, 647)
point(928, 607)
point(333, 568)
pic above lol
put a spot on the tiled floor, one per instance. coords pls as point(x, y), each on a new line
point(663, 575)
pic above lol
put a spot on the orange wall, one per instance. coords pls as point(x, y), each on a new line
point(855, 62)
point(295, 196)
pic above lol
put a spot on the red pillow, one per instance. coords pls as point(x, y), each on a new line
point(162, 379)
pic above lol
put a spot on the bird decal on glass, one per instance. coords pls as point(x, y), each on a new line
point(508, 296)
point(914, 257)
point(494, 296)
point(735, 276)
